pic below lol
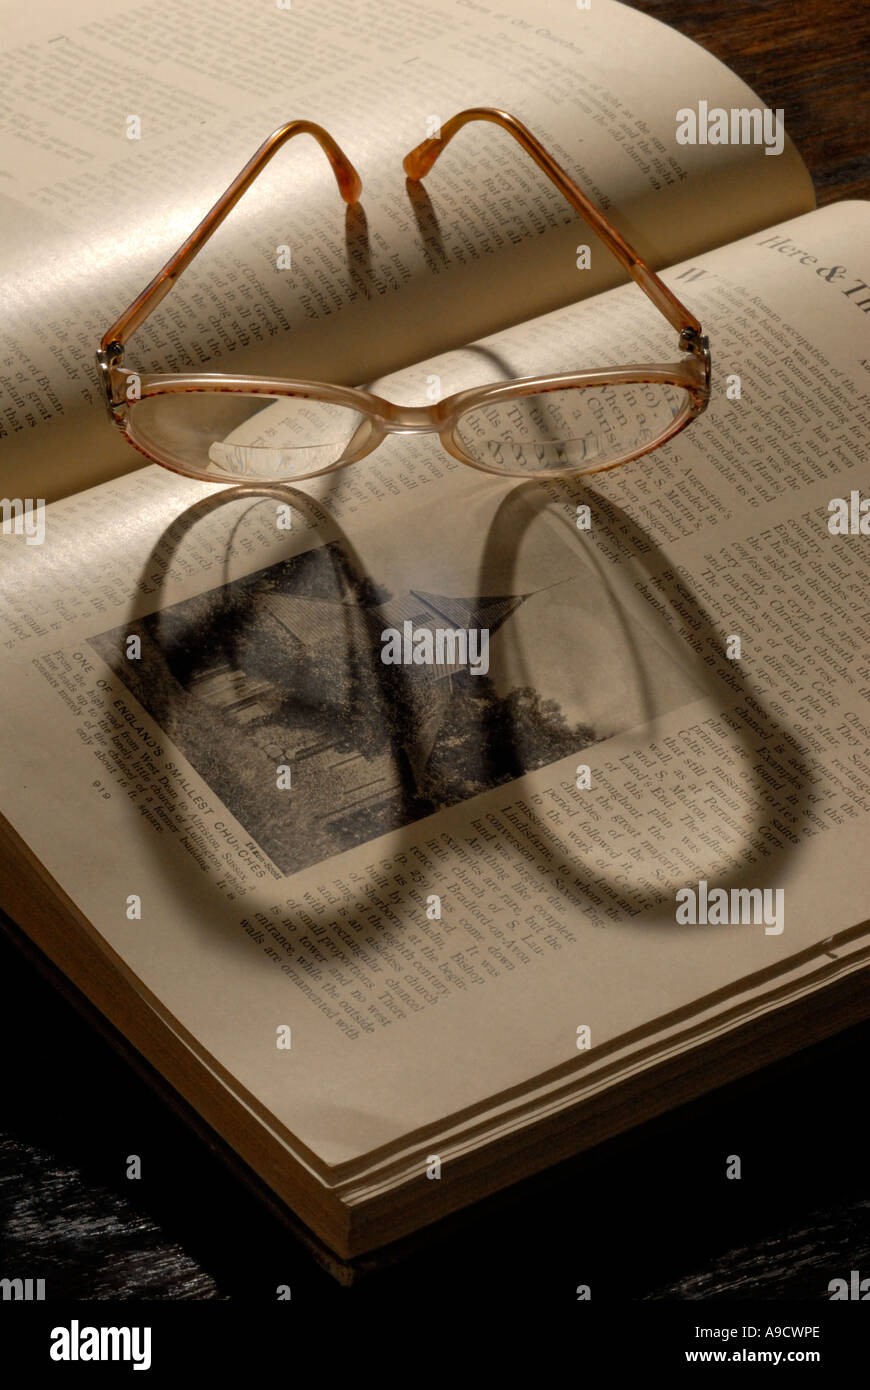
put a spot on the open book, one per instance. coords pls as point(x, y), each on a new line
point(404, 935)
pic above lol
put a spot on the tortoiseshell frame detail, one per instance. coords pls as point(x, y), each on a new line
point(692, 373)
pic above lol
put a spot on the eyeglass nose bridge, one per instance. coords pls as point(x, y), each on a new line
point(412, 419)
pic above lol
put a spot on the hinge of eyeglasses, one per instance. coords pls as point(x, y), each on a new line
point(693, 341)
point(108, 358)
point(698, 344)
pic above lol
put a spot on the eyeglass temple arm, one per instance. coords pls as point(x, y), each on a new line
point(421, 159)
point(349, 186)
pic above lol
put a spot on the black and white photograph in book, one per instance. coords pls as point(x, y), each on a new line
point(325, 708)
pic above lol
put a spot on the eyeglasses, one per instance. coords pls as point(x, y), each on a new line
point(232, 429)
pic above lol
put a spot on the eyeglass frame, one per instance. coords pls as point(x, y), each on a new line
point(692, 374)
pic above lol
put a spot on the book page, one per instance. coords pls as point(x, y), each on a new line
point(435, 875)
point(119, 137)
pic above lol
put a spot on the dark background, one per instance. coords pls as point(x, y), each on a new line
point(811, 58)
point(650, 1215)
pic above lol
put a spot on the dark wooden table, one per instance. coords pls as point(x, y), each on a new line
point(809, 57)
point(648, 1216)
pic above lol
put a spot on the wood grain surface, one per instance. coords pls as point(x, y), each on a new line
point(648, 1216)
point(809, 57)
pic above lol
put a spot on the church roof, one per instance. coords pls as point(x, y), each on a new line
point(343, 626)
point(315, 621)
point(472, 612)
